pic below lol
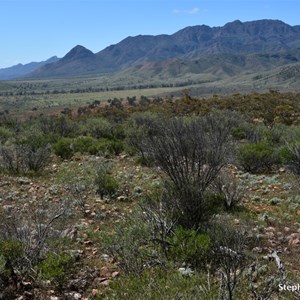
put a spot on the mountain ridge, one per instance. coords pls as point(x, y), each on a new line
point(195, 46)
point(20, 70)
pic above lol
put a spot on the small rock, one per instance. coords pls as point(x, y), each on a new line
point(73, 296)
point(27, 285)
point(115, 274)
point(95, 292)
point(23, 180)
point(272, 243)
point(105, 272)
point(270, 228)
point(257, 250)
point(105, 257)
point(53, 190)
point(269, 235)
point(294, 242)
point(106, 282)
point(88, 242)
point(186, 271)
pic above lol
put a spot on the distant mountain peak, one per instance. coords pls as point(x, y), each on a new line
point(78, 52)
point(234, 23)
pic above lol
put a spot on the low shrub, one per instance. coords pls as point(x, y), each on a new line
point(109, 147)
point(63, 148)
point(27, 236)
point(238, 133)
point(130, 246)
point(55, 268)
point(97, 128)
point(231, 191)
point(23, 158)
point(106, 184)
point(188, 246)
point(259, 157)
point(85, 145)
point(291, 157)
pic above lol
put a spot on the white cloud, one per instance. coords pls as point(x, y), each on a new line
point(194, 10)
point(191, 11)
point(176, 11)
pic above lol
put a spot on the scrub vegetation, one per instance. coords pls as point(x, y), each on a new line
point(155, 197)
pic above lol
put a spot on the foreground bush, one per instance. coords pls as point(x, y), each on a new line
point(26, 238)
point(191, 152)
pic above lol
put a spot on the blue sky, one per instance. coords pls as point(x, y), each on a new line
point(38, 29)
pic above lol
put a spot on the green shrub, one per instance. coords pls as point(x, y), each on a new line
point(55, 267)
point(110, 147)
point(11, 250)
point(259, 157)
point(11, 257)
point(238, 133)
point(38, 140)
point(189, 246)
point(63, 148)
point(97, 127)
point(85, 145)
point(106, 184)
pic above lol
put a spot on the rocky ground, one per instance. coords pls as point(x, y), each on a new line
point(270, 209)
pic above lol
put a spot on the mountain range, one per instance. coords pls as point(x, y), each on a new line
point(21, 70)
point(210, 53)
